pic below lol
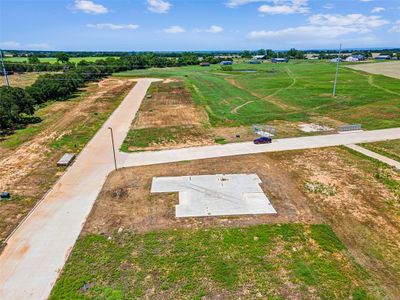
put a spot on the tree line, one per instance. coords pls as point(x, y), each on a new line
point(18, 105)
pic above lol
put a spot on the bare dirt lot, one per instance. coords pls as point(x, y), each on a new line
point(390, 69)
point(357, 197)
point(22, 80)
point(28, 157)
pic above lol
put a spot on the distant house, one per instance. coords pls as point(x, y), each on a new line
point(226, 63)
point(383, 57)
point(351, 59)
point(204, 64)
point(312, 56)
point(280, 60)
point(253, 62)
point(335, 60)
point(259, 57)
point(359, 57)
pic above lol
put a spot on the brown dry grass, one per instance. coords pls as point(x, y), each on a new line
point(29, 170)
point(390, 69)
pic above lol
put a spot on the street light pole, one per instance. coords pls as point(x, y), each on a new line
point(4, 68)
point(337, 70)
point(113, 148)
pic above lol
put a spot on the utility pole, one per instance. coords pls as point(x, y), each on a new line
point(4, 68)
point(337, 70)
point(113, 147)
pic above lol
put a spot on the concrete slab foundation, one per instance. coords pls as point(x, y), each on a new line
point(215, 195)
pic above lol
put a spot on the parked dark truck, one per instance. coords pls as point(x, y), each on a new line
point(262, 140)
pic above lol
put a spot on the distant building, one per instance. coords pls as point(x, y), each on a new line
point(204, 64)
point(383, 57)
point(355, 58)
point(226, 63)
point(280, 60)
point(335, 60)
point(259, 57)
point(312, 56)
point(254, 62)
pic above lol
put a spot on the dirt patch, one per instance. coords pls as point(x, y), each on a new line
point(170, 115)
point(356, 205)
point(390, 69)
point(29, 170)
point(125, 200)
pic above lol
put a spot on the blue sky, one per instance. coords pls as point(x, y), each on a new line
point(127, 25)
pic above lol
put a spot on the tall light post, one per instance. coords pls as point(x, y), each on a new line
point(337, 70)
point(4, 68)
point(113, 147)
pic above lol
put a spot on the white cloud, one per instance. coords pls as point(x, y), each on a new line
point(13, 45)
point(358, 20)
point(396, 27)
point(294, 8)
point(38, 46)
point(328, 6)
point(376, 10)
point(10, 45)
point(113, 26)
point(158, 6)
point(214, 29)
point(89, 7)
point(174, 29)
point(324, 28)
point(304, 32)
point(276, 7)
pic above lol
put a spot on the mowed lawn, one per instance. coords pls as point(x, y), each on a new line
point(296, 91)
point(266, 261)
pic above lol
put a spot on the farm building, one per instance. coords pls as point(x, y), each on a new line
point(280, 60)
point(254, 62)
point(355, 58)
point(259, 57)
point(383, 57)
point(204, 64)
point(226, 63)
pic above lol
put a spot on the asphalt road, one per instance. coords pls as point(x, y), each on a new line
point(37, 250)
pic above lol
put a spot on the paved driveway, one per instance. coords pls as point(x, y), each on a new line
point(37, 250)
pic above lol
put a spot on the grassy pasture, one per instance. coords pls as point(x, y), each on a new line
point(54, 60)
point(297, 91)
point(265, 261)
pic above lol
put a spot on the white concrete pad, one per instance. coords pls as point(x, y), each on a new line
point(215, 195)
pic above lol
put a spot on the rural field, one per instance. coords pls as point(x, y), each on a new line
point(390, 69)
point(29, 156)
point(216, 106)
point(337, 241)
point(22, 80)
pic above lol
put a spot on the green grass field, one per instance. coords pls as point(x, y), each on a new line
point(387, 148)
point(297, 91)
point(266, 262)
point(54, 60)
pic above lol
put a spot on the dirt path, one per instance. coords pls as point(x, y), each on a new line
point(270, 98)
point(372, 83)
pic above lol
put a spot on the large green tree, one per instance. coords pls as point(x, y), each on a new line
point(62, 57)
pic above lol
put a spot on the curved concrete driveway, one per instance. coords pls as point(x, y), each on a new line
point(37, 250)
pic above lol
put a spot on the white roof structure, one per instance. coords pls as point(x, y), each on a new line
point(215, 195)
